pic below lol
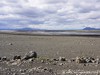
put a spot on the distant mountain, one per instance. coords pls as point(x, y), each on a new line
point(89, 28)
point(29, 29)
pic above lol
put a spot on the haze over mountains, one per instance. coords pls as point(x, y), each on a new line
point(29, 29)
point(87, 31)
point(37, 29)
point(86, 28)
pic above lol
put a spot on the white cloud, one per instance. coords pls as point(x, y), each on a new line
point(50, 14)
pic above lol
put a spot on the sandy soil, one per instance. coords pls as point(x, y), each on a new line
point(52, 47)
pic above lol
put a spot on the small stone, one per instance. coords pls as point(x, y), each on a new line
point(31, 60)
point(55, 59)
point(89, 59)
point(22, 71)
point(45, 69)
point(42, 61)
point(60, 64)
point(78, 60)
point(4, 58)
point(15, 63)
point(97, 61)
point(62, 59)
point(71, 60)
point(10, 44)
point(40, 67)
point(17, 57)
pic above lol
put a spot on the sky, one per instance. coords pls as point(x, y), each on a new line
point(49, 14)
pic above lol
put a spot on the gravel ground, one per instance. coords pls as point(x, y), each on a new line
point(49, 47)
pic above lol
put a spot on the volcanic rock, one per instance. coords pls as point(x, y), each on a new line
point(62, 59)
point(17, 57)
point(31, 54)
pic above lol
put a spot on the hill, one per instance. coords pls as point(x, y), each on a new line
point(89, 28)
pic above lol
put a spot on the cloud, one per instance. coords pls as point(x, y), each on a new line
point(50, 14)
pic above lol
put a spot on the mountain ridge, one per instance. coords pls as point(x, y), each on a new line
point(91, 28)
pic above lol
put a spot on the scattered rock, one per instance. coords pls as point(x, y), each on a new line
point(89, 60)
point(31, 54)
point(4, 58)
point(10, 44)
point(45, 69)
point(80, 60)
point(16, 61)
point(72, 60)
point(62, 59)
point(22, 71)
point(31, 60)
point(97, 60)
point(39, 69)
point(16, 57)
point(42, 61)
point(55, 59)
point(60, 64)
point(85, 60)
point(42, 69)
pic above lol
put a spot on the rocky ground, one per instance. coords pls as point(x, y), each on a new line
point(49, 55)
point(31, 64)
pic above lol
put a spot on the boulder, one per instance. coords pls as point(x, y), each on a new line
point(31, 54)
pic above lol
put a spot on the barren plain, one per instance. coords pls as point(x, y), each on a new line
point(51, 47)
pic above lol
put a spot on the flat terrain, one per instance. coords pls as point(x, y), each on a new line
point(52, 47)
